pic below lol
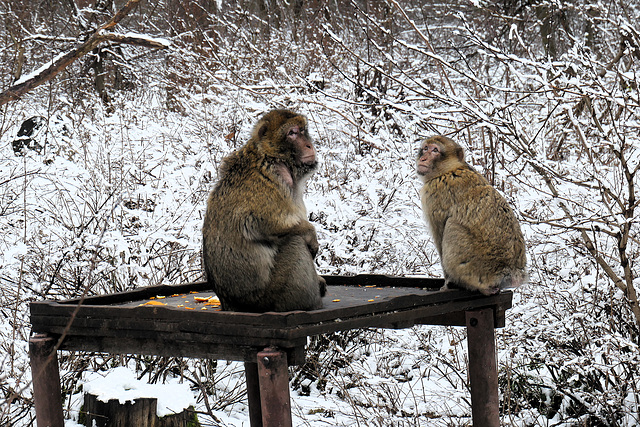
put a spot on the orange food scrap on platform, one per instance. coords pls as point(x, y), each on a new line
point(208, 300)
point(336, 300)
point(154, 303)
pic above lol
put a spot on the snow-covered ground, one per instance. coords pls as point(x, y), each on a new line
point(116, 200)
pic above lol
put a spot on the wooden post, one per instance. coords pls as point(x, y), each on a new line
point(483, 368)
point(139, 412)
point(273, 376)
point(46, 381)
point(253, 394)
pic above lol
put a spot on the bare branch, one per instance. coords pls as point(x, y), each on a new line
point(52, 69)
point(137, 40)
point(427, 42)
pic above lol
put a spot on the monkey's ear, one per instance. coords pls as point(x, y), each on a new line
point(262, 130)
point(460, 153)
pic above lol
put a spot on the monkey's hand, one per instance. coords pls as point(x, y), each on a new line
point(311, 239)
point(308, 233)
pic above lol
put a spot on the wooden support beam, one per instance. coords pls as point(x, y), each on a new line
point(483, 368)
point(46, 381)
point(253, 394)
point(273, 376)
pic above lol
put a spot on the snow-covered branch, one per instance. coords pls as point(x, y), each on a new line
point(63, 60)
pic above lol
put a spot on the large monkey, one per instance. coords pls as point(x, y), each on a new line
point(475, 231)
point(258, 247)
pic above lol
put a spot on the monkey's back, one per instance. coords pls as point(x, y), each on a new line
point(238, 255)
point(475, 231)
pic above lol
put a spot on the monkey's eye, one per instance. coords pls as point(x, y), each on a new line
point(292, 132)
point(435, 150)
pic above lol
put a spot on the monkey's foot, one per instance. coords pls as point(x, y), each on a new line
point(323, 286)
point(450, 286)
point(490, 291)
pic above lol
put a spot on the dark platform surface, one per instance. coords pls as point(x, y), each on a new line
point(182, 326)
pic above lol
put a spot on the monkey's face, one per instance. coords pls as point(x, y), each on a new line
point(428, 156)
point(297, 137)
point(282, 136)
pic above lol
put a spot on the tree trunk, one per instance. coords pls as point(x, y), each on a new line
point(139, 413)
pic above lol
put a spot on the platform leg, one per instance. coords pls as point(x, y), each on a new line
point(483, 368)
point(273, 376)
point(253, 394)
point(46, 381)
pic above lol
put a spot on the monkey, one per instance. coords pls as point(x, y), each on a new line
point(258, 246)
point(476, 233)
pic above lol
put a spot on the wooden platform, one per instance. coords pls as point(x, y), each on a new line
point(181, 321)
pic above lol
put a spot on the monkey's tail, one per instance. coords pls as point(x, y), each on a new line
point(514, 279)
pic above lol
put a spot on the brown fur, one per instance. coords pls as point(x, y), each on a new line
point(258, 247)
point(477, 235)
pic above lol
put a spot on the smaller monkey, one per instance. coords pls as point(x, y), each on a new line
point(477, 235)
point(258, 246)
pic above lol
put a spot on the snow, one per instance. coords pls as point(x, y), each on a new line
point(26, 77)
point(116, 202)
point(164, 42)
point(122, 384)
